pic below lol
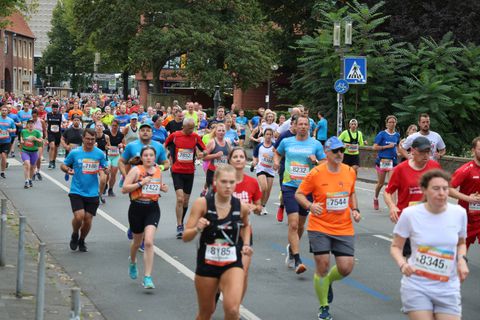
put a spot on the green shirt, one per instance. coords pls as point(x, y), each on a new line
point(29, 144)
point(354, 139)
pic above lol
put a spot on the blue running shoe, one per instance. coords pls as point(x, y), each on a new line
point(180, 231)
point(129, 234)
point(142, 247)
point(148, 283)
point(324, 314)
point(132, 269)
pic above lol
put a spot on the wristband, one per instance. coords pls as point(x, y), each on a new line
point(139, 184)
point(198, 230)
point(356, 209)
point(162, 167)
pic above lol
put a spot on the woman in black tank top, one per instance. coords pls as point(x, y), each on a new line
point(102, 143)
point(114, 151)
point(222, 221)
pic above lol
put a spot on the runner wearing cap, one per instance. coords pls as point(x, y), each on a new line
point(301, 153)
point(54, 135)
point(437, 149)
point(330, 227)
point(405, 181)
point(130, 131)
point(353, 138)
point(467, 178)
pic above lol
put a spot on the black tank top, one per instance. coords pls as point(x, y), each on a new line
point(56, 121)
point(101, 142)
point(114, 140)
point(223, 233)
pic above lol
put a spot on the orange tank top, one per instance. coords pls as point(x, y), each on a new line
point(150, 191)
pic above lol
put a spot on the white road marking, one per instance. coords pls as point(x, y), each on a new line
point(244, 312)
point(383, 237)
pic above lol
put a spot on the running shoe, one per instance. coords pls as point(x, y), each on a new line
point(280, 214)
point(39, 176)
point(148, 283)
point(111, 193)
point(142, 247)
point(12, 154)
point(179, 231)
point(74, 241)
point(330, 294)
point(300, 268)
point(132, 269)
point(50, 165)
point(3, 175)
point(129, 234)
point(264, 211)
point(81, 245)
point(324, 314)
point(26, 185)
point(289, 260)
point(34, 177)
point(30, 183)
point(53, 164)
point(375, 204)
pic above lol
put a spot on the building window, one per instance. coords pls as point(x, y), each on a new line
point(14, 47)
point(5, 46)
point(24, 49)
point(14, 79)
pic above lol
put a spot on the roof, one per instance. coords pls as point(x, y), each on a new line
point(18, 25)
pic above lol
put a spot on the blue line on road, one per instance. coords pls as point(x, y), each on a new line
point(349, 281)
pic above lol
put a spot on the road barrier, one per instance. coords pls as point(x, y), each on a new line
point(40, 302)
point(21, 256)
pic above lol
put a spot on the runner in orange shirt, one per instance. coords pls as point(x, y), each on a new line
point(330, 227)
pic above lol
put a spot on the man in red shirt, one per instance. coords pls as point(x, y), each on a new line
point(467, 177)
point(182, 145)
point(405, 181)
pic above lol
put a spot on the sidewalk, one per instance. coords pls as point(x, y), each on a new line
point(57, 282)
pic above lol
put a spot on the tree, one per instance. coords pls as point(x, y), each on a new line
point(7, 7)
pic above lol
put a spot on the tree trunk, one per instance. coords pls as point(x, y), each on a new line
point(157, 84)
point(125, 75)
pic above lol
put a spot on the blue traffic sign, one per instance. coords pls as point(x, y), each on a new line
point(341, 86)
point(355, 70)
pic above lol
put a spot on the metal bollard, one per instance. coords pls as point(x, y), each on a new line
point(40, 302)
point(75, 306)
point(21, 256)
point(3, 233)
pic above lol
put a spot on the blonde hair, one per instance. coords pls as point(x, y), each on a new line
point(227, 168)
point(267, 112)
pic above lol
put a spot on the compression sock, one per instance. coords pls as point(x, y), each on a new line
point(334, 275)
point(321, 285)
point(296, 256)
point(184, 213)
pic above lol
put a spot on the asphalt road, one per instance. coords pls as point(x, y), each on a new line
point(275, 292)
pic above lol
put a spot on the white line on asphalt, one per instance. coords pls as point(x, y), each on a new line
point(245, 313)
point(383, 237)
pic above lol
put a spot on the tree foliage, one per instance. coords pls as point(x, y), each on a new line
point(7, 7)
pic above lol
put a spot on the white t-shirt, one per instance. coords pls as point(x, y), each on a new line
point(265, 159)
point(285, 126)
point(435, 140)
point(434, 239)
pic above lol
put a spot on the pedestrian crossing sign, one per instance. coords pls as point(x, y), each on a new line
point(355, 70)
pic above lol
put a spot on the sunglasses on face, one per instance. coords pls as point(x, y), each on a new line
point(342, 150)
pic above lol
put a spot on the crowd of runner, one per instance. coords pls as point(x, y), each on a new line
point(108, 140)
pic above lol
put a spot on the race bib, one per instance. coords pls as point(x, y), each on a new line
point(24, 124)
point(201, 132)
point(55, 128)
point(352, 148)
point(185, 155)
point(153, 188)
point(221, 161)
point(474, 207)
point(4, 134)
point(29, 143)
point(299, 171)
point(90, 166)
point(337, 201)
point(220, 254)
point(413, 203)
point(386, 164)
point(113, 152)
point(267, 161)
point(434, 263)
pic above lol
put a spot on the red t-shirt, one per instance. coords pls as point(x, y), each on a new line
point(42, 114)
point(467, 177)
point(405, 180)
point(184, 155)
point(248, 190)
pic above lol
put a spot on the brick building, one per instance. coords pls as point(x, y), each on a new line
point(16, 56)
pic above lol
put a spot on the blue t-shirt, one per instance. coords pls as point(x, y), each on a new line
point(24, 116)
point(48, 109)
point(312, 125)
point(159, 134)
point(255, 120)
point(384, 138)
point(322, 128)
point(123, 120)
point(134, 148)
point(5, 124)
point(86, 166)
point(242, 122)
point(16, 120)
point(297, 162)
point(232, 136)
point(142, 116)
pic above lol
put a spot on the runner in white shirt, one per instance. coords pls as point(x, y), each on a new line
point(430, 287)
point(438, 146)
point(263, 161)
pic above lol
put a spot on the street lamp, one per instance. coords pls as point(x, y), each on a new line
point(267, 97)
point(96, 62)
point(216, 99)
point(48, 74)
point(341, 52)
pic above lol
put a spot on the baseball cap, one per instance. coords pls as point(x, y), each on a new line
point(134, 116)
point(145, 124)
point(333, 143)
point(421, 143)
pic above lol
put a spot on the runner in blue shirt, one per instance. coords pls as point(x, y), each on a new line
point(84, 164)
point(7, 127)
point(301, 153)
point(24, 115)
point(123, 118)
point(321, 129)
point(13, 135)
point(242, 122)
